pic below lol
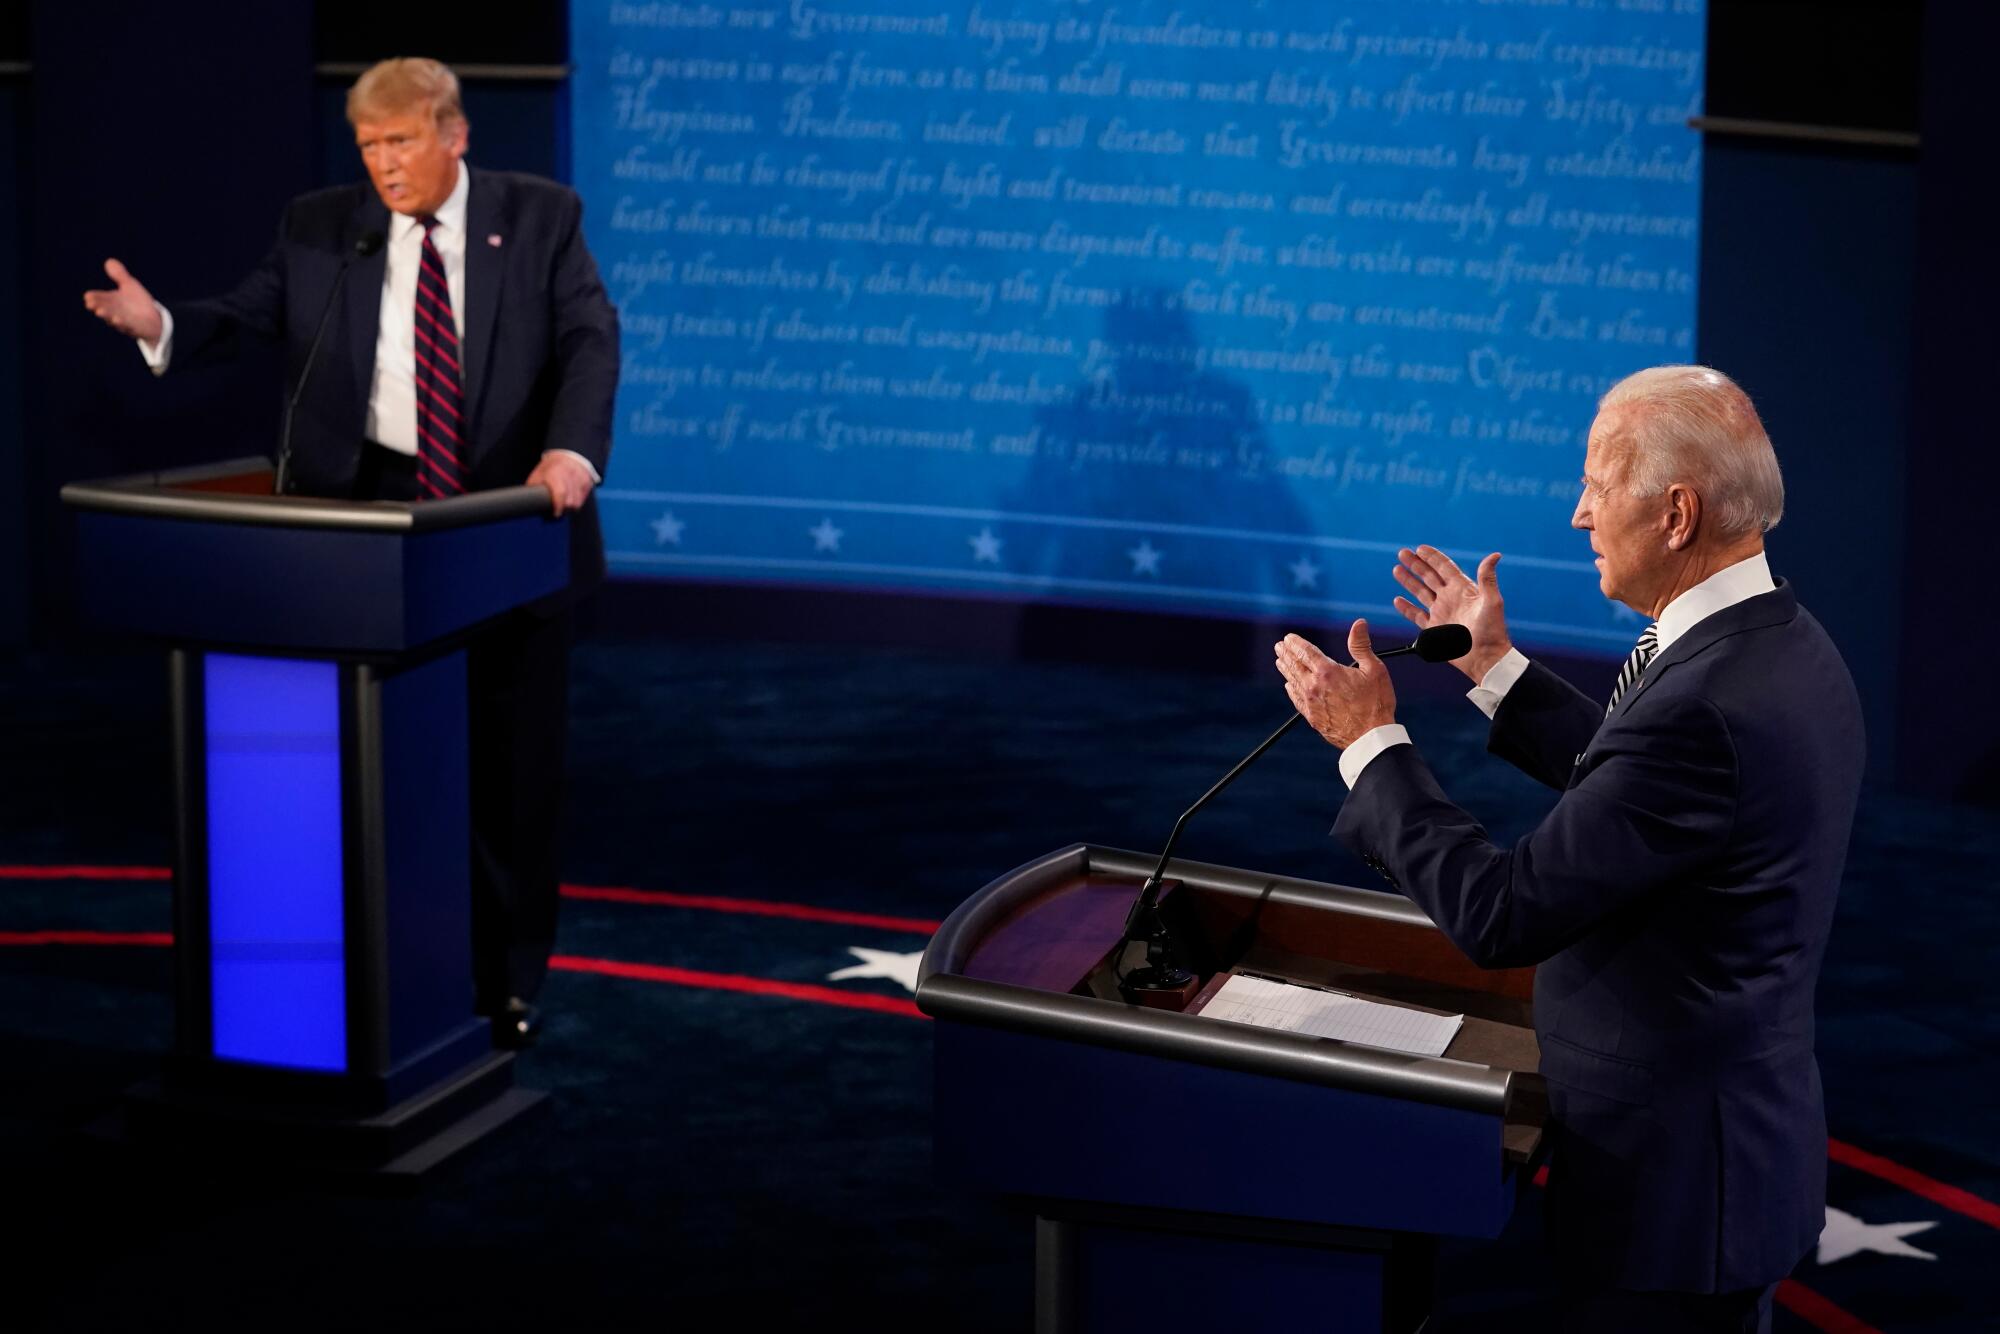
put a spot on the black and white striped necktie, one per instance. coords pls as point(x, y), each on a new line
point(1635, 666)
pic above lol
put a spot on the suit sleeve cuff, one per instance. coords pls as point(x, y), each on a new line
point(1499, 679)
point(157, 354)
point(1367, 746)
point(596, 479)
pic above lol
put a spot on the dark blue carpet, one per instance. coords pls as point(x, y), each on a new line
point(712, 1152)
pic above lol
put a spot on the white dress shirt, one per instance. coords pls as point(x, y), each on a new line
point(392, 393)
point(1747, 578)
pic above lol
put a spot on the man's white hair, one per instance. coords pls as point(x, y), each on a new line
point(1695, 425)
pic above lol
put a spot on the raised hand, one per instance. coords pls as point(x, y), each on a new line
point(1343, 704)
point(126, 306)
point(1444, 596)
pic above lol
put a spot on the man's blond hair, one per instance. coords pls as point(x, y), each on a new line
point(402, 85)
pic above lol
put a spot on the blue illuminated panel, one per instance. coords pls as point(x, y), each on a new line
point(278, 986)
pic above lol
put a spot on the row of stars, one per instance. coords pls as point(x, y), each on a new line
point(826, 537)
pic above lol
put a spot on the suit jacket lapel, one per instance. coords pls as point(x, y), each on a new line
point(1773, 608)
point(483, 272)
point(362, 298)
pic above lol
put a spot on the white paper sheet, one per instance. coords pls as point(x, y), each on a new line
point(1331, 1014)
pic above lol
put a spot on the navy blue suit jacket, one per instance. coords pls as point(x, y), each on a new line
point(1677, 900)
point(540, 346)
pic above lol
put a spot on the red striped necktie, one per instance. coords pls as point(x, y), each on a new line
point(440, 387)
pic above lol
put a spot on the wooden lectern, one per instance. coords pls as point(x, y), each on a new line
point(322, 938)
point(1219, 1174)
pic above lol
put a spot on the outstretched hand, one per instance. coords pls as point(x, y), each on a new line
point(126, 305)
point(1444, 596)
point(1341, 703)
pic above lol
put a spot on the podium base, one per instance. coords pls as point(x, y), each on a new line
point(1094, 1264)
point(394, 1148)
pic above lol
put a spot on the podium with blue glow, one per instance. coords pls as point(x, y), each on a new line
point(322, 935)
point(1213, 1173)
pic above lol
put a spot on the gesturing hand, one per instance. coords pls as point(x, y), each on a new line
point(126, 306)
point(1444, 596)
point(1341, 703)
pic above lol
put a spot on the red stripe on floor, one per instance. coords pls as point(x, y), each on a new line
point(756, 986)
point(85, 938)
point(1818, 1311)
point(798, 912)
point(1951, 1197)
point(85, 873)
point(569, 963)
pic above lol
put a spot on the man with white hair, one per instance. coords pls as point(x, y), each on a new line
point(469, 345)
point(1679, 895)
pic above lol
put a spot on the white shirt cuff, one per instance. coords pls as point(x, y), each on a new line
point(1367, 746)
point(588, 466)
point(1499, 679)
point(156, 354)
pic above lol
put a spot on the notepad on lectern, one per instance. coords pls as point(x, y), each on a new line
point(1331, 1014)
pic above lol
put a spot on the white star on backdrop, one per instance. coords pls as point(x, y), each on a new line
point(985, 546)
point(898, 968)
point(1145, 557)
point(667, 530)
point(1305, 574)
point(1846, 1235)
point(826, 537)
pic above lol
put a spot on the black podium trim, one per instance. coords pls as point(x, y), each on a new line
point(193, 1021)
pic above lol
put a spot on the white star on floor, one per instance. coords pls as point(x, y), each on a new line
point(826, 537)
point(898, 968)
point(1145, 557)
point(1846, 1235)
point(1305, 574)
point(985, 546)
point(667, 530)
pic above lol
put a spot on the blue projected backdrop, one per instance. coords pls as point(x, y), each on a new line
point(1199, 305)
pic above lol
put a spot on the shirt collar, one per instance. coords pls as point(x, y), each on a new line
point(1746, 579)
point(450, 214)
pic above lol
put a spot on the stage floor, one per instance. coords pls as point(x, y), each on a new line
point(760, 838)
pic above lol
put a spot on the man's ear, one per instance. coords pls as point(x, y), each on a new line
point(1683, 516)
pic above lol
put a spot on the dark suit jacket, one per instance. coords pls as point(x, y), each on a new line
point(1678, 900)
point(540, 345)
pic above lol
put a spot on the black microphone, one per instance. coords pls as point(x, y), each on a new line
point(367, 244)
point(1437, 643)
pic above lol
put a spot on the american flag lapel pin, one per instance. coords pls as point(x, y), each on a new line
point(493, 239)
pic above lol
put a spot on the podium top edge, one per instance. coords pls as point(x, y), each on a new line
point(953, 943)
point(180, 494)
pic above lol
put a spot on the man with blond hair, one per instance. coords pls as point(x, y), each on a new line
point(1678, 897)
point(469, 344)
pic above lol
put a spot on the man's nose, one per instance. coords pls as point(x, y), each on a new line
point(1580, 517)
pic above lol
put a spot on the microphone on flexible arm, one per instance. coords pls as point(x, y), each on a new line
point(364, 246)
point(1437, 643)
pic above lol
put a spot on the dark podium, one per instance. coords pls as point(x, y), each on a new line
point(322, 939)
point(1210, 1173)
